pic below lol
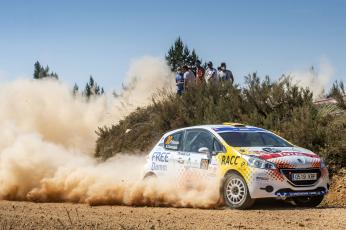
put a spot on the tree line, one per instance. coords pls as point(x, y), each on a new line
point(91, 88)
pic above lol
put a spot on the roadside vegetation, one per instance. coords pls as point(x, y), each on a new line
point(280, 106)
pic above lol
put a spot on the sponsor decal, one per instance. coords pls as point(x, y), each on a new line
point(158, 167)
point(262, 178)
point(308, 193)
point(173, 147)
point(271, 150)
point(237, 129)
point(168, 140)
point(204, 164)
point(160, 157)
point(266, 156)
point(229, 160)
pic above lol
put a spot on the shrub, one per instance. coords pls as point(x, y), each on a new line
point(279, 106)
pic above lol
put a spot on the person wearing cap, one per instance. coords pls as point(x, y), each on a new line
point(224, 74)
point(210, 73)
point(199, 70)
point(179, 81)
point(189, 77)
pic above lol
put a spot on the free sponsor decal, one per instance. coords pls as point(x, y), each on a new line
point(158, 167)
point(159, 161)
point(160, 157)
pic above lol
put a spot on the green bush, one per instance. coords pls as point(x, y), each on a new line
point(279, 106)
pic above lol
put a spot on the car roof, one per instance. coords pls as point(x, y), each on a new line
point(226, 127)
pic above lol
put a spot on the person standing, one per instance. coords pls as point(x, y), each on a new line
point(210, 73)
point(189, 78)
point(179, 81)
point(224, 74)
point(199, 70)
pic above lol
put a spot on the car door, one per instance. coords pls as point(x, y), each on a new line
point(172, 144)
point(197, 144)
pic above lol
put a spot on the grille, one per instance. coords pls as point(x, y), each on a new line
point(288, 174)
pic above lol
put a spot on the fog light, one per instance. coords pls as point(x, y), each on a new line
point(269, 188)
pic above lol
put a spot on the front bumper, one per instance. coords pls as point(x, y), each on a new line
point(264, 183)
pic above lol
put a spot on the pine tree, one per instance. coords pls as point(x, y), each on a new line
point(37, 70)
point(179, 55)
point(92, 88)
point(40, 72)
point(75, 89)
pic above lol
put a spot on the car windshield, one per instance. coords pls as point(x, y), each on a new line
point(253, 139)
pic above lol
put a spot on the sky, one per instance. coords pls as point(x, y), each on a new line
point(101, 38)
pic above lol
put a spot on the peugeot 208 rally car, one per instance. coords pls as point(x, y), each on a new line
point(250, 162)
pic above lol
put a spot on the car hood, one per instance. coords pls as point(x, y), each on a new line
point(285, 157)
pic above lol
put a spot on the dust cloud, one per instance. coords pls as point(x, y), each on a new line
point(47, 139)
point(315, 79)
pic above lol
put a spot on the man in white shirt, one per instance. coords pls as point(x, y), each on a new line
point(210, 73)
point(189, 77)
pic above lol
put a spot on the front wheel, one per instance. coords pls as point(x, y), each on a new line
point(236, 193)
point(308, 201)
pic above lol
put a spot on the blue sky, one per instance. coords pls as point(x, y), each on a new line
point(79, 38)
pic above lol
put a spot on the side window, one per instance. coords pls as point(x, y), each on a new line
point(218, 148)
point(196, 139)
point(173, 141)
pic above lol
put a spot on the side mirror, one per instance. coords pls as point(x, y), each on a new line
point(205, 150)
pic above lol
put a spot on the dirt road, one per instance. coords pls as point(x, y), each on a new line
point(26, 215)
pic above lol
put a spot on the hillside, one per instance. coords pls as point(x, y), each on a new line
point(279, 106)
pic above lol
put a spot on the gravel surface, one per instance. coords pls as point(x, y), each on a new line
point(272, 215)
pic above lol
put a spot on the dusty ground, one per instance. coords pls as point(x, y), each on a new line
point(331, 214)
point(26, 215)
point(337, 194)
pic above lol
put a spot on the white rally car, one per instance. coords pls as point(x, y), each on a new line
point(250, 163)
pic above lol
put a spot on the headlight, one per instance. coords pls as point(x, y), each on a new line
point(259, 163)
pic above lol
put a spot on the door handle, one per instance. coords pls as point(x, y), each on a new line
point(180, 160)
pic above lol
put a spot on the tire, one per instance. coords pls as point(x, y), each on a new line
point(149, 176)
point(236, 193)
point(308, 201)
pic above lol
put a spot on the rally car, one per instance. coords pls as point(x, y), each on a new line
point(249, 162)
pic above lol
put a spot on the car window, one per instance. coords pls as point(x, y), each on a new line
point(174, 141)
point(218, 148)
point(196, 139)
point(254, 139)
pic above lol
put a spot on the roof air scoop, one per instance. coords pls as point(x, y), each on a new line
point(234, 124)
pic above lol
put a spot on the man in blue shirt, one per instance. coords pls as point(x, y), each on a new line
point(179, 80)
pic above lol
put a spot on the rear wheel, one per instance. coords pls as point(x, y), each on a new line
point(149, 176)
point(308, 201)
point(236, 193)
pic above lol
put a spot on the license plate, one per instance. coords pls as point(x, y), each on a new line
point(304, 176)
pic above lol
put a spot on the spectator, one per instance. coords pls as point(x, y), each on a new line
point(224, 74)
point(210, 73)
point(199, 70)
point(189, 77)
point(179, 80)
